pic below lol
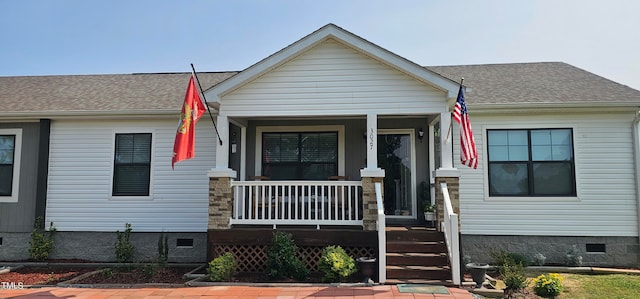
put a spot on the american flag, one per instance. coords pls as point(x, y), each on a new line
point(468, 150)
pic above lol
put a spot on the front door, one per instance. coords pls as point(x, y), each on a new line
point(396, 155)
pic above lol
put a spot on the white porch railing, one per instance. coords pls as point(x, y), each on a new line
point(451, 231)
point(297, 203)
point(382, 236)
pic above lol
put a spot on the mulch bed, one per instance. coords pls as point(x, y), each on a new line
point(137, 275)
point(42, 275)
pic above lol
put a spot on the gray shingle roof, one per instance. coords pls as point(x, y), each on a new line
point(98, 93)
point(492, 84)
point(537, 83)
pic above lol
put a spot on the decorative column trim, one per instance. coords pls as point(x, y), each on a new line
point(221, 173)
point(446, 140)
point(372, 173)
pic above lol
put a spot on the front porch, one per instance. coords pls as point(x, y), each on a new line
point(333, 104)
point(243, 215)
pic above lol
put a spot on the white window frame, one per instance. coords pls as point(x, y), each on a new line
point(151, 166)
point(17, 153)
point(288, 129)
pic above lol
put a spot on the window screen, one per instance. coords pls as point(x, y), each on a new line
point(132, 165)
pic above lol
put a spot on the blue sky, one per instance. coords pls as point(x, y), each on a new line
point(101, 37)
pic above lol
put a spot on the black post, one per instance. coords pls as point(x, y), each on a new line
point(206, 104)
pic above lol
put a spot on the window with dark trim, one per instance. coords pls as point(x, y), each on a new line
point(531, 162)
point(7, 154)
point(132, 164)
point(300, 155)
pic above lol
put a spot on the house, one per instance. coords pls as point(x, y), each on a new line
point(328, 139)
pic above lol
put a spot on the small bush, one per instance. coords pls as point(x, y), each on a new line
point(335, 264)
point(514, 277)
point(148, 271)
point(501, 257)
point(539, 259)
point(222, 267)
point(41, 244)
point(573, 257)
point(548, 285)
point(163, 250)
point(282, 260)
point(123, 247)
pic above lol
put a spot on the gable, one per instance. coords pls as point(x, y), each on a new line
point(332, 78)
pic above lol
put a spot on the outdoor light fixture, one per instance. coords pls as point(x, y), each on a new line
point(420, 134)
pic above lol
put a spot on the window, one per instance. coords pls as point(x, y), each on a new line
point(10, 148)
point(7, 149)
point(536, 162)
point(132, 165)
point(299, 155)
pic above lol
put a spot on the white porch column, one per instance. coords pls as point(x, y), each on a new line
point(446, 146)
point(372, 169)
point(222, 150)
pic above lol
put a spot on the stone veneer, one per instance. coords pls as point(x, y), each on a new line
point(220, 198)
point(369, 204)
point(453, 184)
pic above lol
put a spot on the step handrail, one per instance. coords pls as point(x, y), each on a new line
point(382, 236)
point(450, 228)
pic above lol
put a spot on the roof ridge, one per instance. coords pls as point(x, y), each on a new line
point(498, 64)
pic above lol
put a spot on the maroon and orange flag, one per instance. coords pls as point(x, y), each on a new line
point(192, 110)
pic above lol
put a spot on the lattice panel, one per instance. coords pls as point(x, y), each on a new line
point(253, 258)
point(250, 258)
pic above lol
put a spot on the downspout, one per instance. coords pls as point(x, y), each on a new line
point(636, 153)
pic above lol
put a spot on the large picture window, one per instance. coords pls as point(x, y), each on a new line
point(7, 162)
point(300, 155)
point(132, 165)
point(531, 162)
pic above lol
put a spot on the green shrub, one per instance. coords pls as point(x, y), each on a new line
point(222, 267)
point(548, 285)
point(163, 250)
point(336, 264)
point(539, 259)
point(148, 270)
point(514, 277)
point(123, 247)
point(282, 260)
point(41, 244)
point(502, 257)
point(573, 257)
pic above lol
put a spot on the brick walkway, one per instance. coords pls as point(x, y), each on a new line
point(229, 292)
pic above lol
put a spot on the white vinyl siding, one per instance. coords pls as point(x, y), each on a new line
point(605, 204)
point(80, 177)
point(332, 79)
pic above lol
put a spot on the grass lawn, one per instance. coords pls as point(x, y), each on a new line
point(611, 286)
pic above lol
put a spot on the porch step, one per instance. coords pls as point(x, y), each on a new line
point(403, 259)
point(419, 272)
point(443, 282)
point(417, 255)
point(416, 247)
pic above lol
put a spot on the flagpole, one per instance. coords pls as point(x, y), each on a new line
point(451, 123)
point(206, 104)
